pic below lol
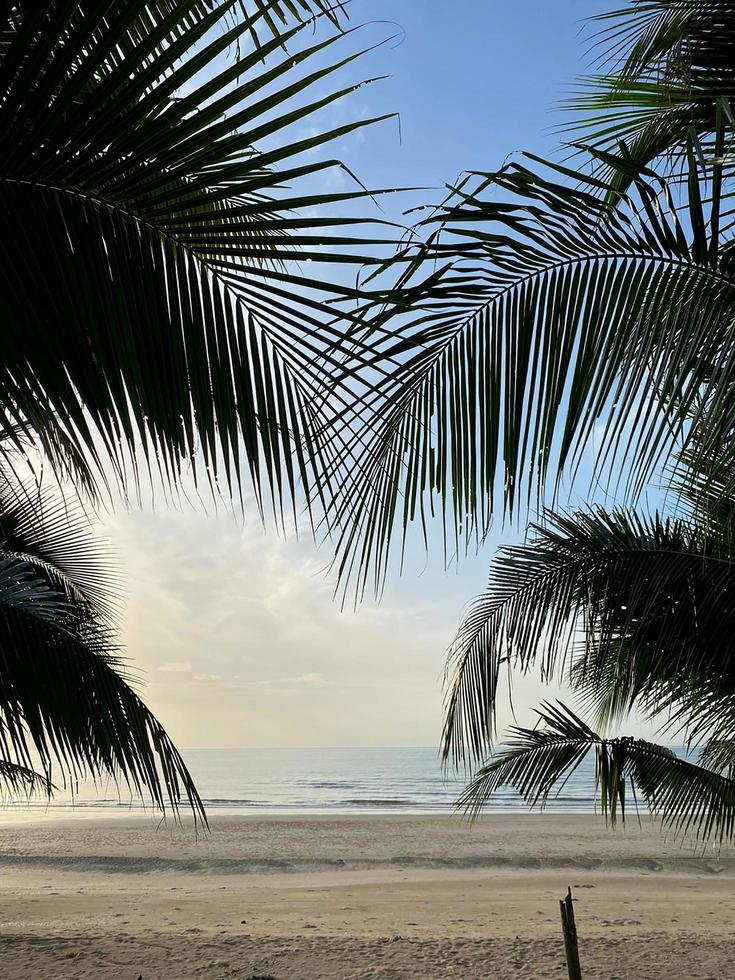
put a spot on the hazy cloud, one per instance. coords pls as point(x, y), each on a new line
point(261, 653)
point(229, 608)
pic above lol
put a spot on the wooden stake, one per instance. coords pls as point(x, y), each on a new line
point(569, 928)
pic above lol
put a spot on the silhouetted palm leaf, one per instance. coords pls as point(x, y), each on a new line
point(277, 13)
point(630, 610)
point(22, 782)
point(670, 76)
point(686, 796)
point(154, 205)
point(635, 612)
point(64, 698)
point(552, 314)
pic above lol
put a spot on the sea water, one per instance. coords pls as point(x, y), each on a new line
point(325, 780)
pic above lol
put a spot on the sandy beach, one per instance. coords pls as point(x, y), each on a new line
point(358, 897)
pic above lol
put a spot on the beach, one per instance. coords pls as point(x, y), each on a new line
point(298, 898)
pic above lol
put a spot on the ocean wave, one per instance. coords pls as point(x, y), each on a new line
point(321, 781)
point(390, 802)
point(335, 784)
point(302, 806)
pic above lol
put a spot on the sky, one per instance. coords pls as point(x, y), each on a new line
point(233, 630)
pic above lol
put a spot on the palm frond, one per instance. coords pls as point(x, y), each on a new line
point(670, 76)
point(648, 33)
point(536, 761)
point(627, 608)
point(178, 16)
point(551, 315)
point(158, 224)
point(702, 478)
point(687, 797)
point(719, 755)
point(64, 696)
point(277, 13)
point(52, 537)
point(23, 782)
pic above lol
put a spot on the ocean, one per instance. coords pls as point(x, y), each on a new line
point(324, 780)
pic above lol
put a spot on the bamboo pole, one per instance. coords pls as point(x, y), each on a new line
point(569, 928)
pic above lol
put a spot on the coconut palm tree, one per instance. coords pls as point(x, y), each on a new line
point(548, 302)
point(635, 613)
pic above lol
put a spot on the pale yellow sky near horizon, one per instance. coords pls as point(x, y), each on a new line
point(237, 640)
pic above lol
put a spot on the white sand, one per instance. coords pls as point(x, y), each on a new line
point(358, 897)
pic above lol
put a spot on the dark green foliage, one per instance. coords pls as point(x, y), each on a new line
point(152, 304)
point(688, 797)
point(65, 703)
point(158, 216)
point(549, 314)
point(537, 307)
point(668, 76)
point(635, 613)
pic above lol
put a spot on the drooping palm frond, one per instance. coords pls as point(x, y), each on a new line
point(719, 755)
point(158, 223)
point(687, 797)
point(276, 14)
point(629, 609)
point(537, 761)
point(702, 480)
point(21, 782)
point(53, 538)
point(549, 314)
point(65, 703)
point(145, 16)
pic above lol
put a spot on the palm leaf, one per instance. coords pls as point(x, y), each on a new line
point(670, 75)
point(276, 13)
point(688, 798)
point(146, 15)
point(155, 307)
point(629, 609)
point(552, 314)
point(23, 782)
point(658, 32)
point(64, 696)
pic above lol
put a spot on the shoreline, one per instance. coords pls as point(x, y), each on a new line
point(19, 813)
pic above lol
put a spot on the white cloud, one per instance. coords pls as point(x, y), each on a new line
point(310, 680)
point(262, 653)
point(264, 656)
point(304, 680)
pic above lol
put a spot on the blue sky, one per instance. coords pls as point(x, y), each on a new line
point(235, 630)
point(473, 81)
